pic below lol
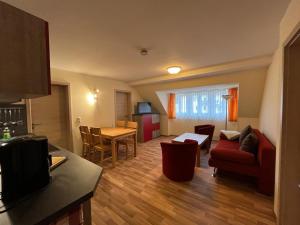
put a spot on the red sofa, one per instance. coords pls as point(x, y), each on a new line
point(228, 157)
point(178, 160)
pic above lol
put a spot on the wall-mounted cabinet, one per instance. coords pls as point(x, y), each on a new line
point(24, 55)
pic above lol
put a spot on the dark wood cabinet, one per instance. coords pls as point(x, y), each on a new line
point(24, 55)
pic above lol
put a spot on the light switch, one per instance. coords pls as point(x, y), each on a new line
point(78, 120)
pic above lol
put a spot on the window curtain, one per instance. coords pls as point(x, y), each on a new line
point(206, 104)
point(171, 106)
point(233, 105)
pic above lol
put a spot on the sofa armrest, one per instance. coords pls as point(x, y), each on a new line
point(266, 181)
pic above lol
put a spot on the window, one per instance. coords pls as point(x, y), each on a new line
point(205, 104)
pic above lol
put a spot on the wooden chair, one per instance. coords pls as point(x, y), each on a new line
point(130, 140)
point(86, 144)
point(84, 129)
point(121, 123)
point(98, 144)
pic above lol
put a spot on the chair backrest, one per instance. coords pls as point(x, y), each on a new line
point(84, 129)
point(121, 123)
point(86, 138)
point(207, 129)
point(178, 158)
point(96, 137)
point(131, 124)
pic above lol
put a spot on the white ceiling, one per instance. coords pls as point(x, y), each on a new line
point(102, 37)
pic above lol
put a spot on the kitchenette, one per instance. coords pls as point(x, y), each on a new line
point(40, 183)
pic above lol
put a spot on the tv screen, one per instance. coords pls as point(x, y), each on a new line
point(144, 107)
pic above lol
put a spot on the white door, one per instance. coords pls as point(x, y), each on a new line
point(50, 116)
point(123, 105)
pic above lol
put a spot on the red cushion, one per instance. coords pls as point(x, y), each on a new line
point(233, 155)
point(225, 144)
point(246, 169)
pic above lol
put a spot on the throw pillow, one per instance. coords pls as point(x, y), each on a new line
point(231, 135)
point(250, 143)
point(247, 130)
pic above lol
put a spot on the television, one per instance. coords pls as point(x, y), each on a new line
point(144, 107)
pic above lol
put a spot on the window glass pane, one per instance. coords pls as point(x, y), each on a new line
point(205, 104)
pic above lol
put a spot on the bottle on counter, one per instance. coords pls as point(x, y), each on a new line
point(6, 133)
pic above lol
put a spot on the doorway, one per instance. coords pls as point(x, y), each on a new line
point(123, 105)
point(51, 117)
point(290, 141)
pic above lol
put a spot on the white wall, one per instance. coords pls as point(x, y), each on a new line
point(100, 114)
point(270, 115)
point(178, 126)
point(251, 84)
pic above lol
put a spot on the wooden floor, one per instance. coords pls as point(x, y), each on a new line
point(136, 192)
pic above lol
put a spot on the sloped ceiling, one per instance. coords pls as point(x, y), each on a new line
point(103, 37)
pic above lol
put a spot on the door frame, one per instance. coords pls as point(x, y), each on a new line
point(129, 102)
point(29, 112)
point(283, 189)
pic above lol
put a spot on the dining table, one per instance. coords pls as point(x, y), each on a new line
point(117, 133)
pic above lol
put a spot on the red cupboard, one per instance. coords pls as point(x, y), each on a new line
point(148, 126)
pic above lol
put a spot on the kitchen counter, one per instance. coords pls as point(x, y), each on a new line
point(73, 183)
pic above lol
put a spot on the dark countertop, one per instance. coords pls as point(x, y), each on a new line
point(73, 183)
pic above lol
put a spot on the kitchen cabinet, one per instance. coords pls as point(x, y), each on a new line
point(24, 55)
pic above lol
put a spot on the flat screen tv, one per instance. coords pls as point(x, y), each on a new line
point(144, 107)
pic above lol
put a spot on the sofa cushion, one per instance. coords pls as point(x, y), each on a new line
point(231, 135)
point(250, 143)
point(226, 144)
point(233, 155)
point(247, 130)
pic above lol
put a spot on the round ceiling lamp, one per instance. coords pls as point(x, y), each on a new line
point(144, 52)
point(174, 69)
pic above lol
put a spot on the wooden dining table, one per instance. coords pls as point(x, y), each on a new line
point(117, 133)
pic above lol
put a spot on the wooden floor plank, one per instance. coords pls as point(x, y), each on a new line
point(136, 192)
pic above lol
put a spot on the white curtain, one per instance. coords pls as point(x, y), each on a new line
point(206, 104)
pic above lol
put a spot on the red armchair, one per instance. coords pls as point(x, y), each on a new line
point(227, 156)
point(207, 129)
point(178, 160)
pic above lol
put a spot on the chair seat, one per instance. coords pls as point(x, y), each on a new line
point(102, 147)
point(226, 144)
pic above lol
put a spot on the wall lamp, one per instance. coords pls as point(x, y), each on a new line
point(92, 96)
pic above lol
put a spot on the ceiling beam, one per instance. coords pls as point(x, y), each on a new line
point(209, 70)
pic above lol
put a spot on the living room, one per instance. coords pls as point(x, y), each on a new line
point(231, 65)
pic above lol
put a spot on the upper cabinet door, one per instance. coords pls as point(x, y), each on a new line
point(24, 55)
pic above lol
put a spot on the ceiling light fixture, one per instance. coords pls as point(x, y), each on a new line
point(174, 69)
point(144, 52)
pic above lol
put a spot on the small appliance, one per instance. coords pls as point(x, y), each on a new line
point(24, 163)
point(144, 107)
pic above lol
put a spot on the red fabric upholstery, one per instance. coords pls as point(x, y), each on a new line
point(233, 155)
point(207, 129)
point(178, 160)
point(228, 144)
point(227, 156)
